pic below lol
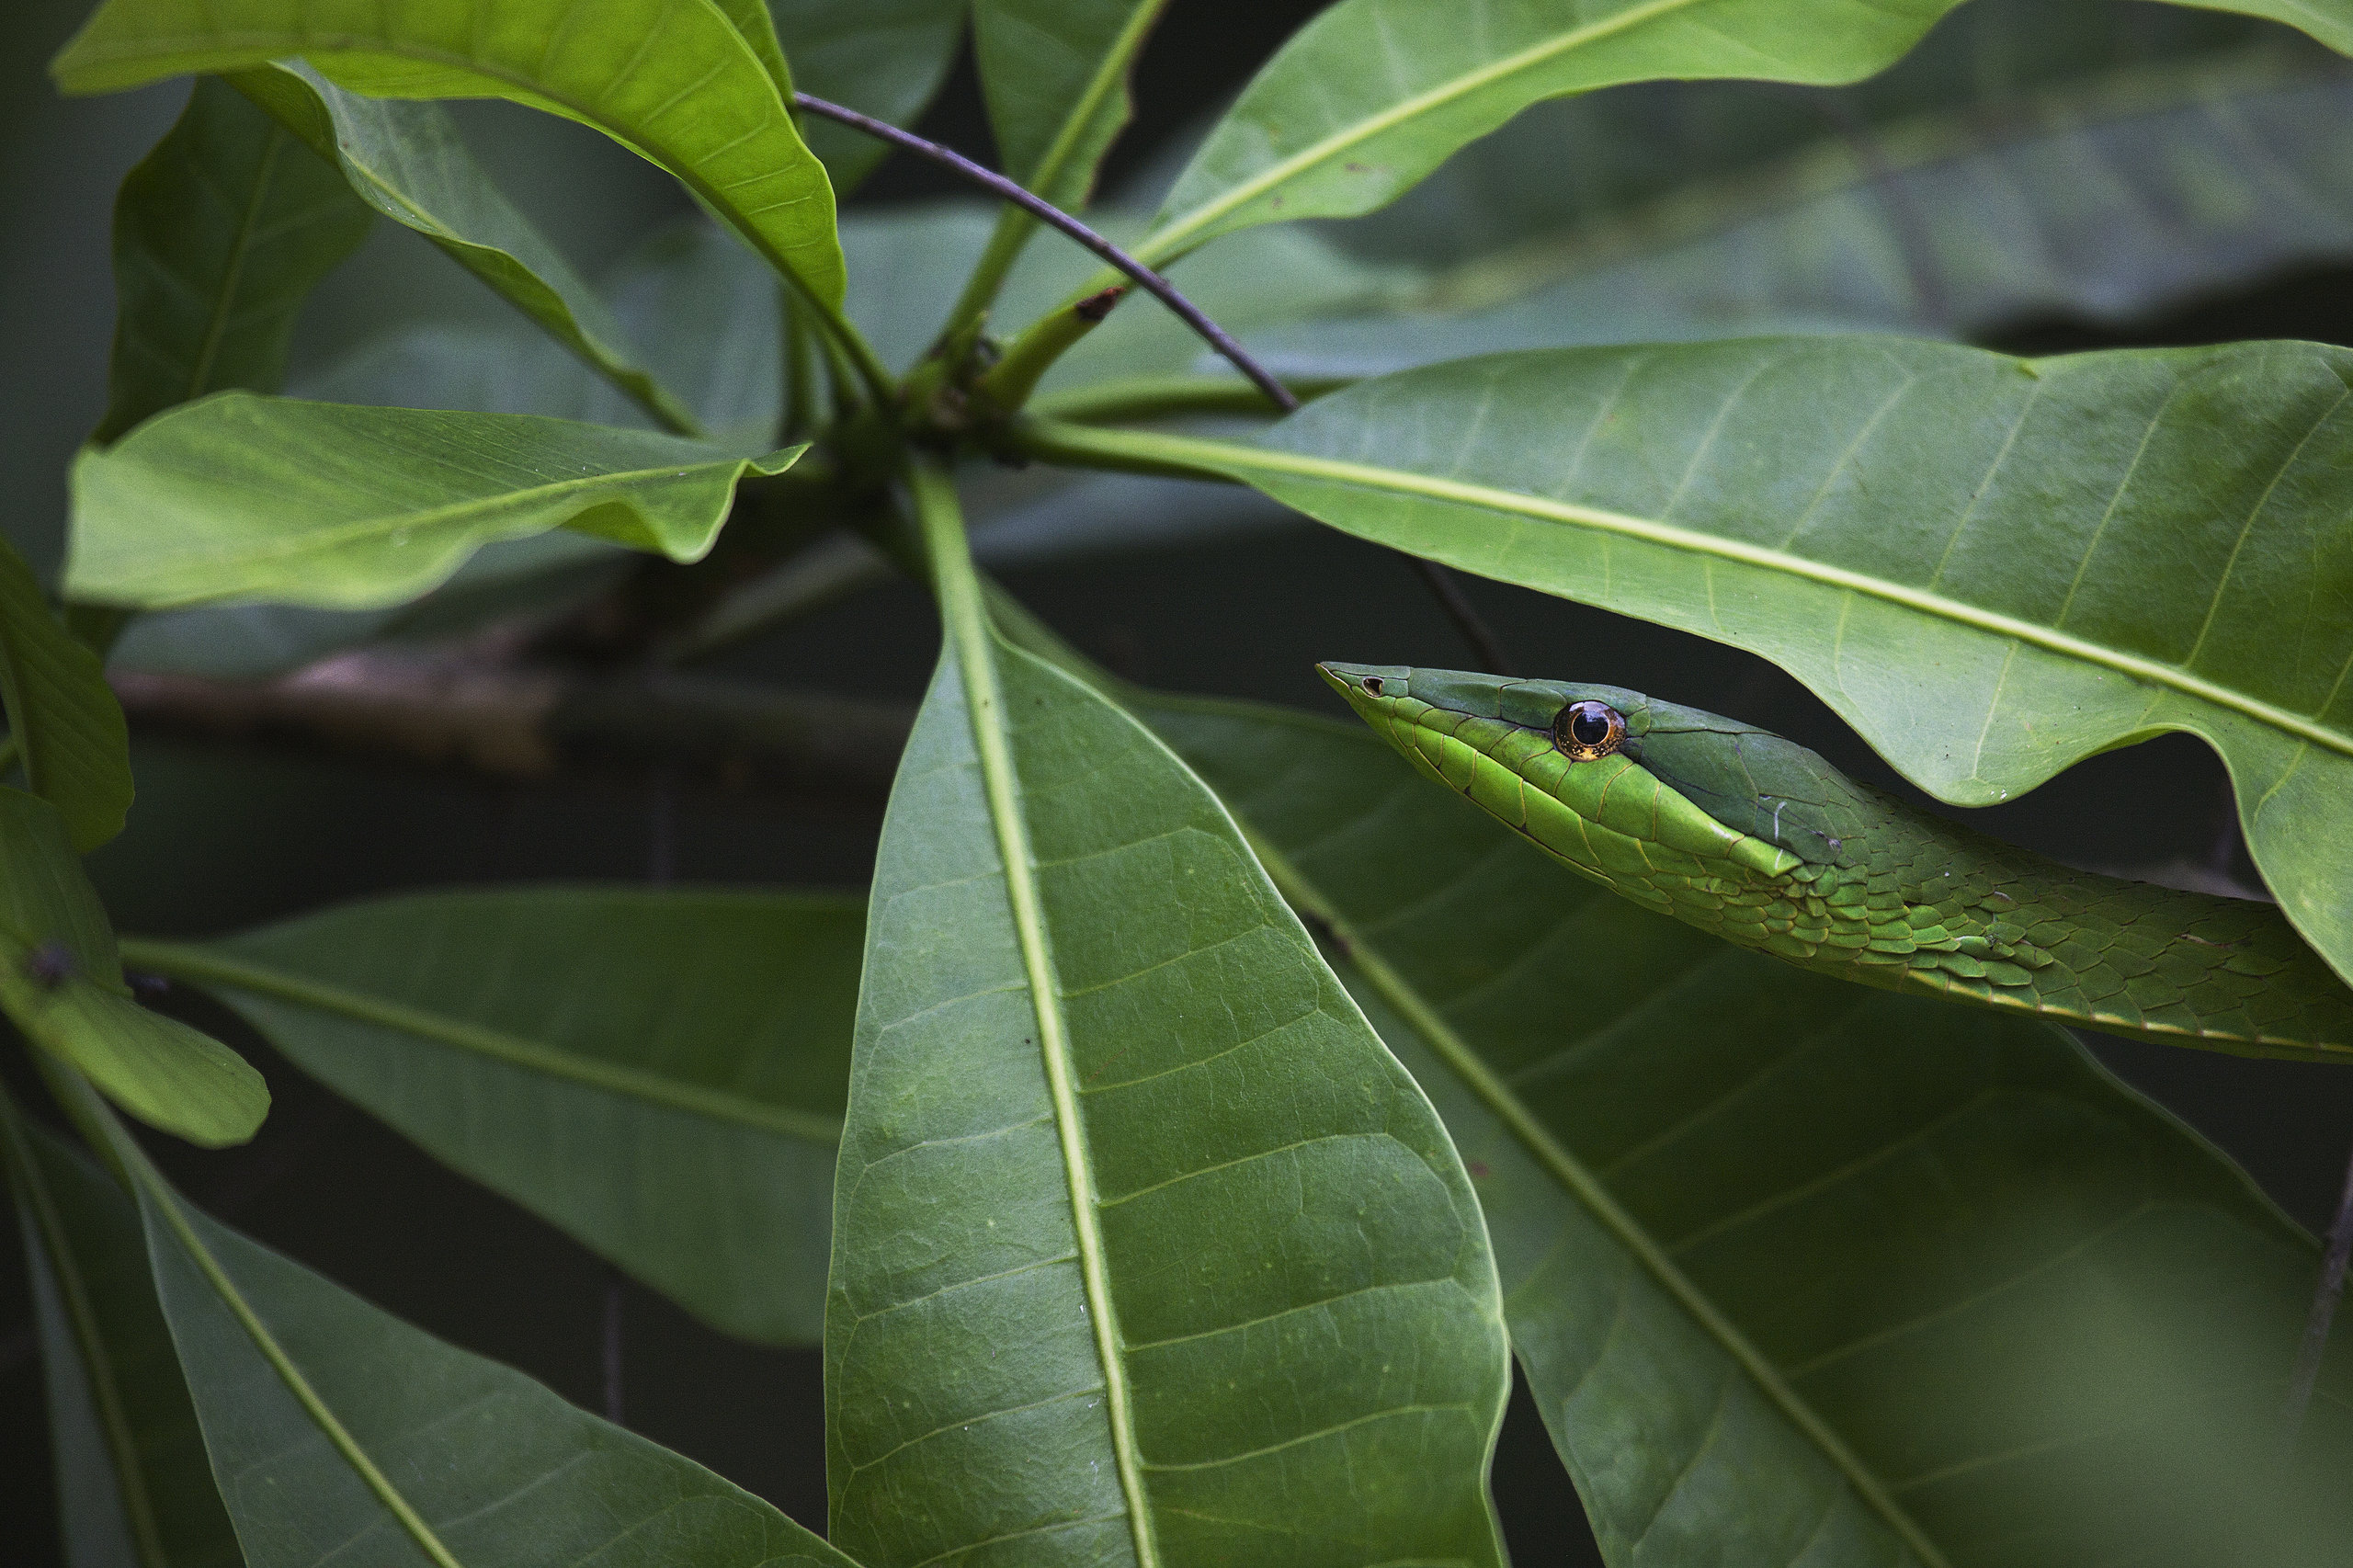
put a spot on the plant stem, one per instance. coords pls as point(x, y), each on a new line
point(1009, 390)
point(1015, 224)
point(1156, 397)
point(800, 387)
point(2325, 1294)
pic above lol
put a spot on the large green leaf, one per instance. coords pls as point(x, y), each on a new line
point(408, 162)
point(659, 1073)
point(219, 235)
point(245, 497)
point(1799, 1272)
point(885, 58)
point(339, 1433)
point(65, 725)
point(673, 80)
point(1991, 567)
point(133, 1488)
point(1373, 94)
point(61, 982)
point(1144, 1249)
point(2099, 200)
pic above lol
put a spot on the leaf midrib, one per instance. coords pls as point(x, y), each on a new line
point(1233, 460)
point(210, 967)
point(1158, 247)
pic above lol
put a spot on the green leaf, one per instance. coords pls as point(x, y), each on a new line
point(705, 307)
point(674, 81)
point(65, 725)
point(61, 982)
point(336, 1431)
point(1991, 567)
point(219, 235)
point(1800, 1272)
point(658, 1073)
point(1922, 228)
point(408, 162)
point(883, 58)
point(248, 497)
point(133, 1485)
point(1918, 229)
point(1143, 1247)
point(1373, 95)
point(1055, 74)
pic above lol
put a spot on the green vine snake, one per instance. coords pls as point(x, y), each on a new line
point(1763, 842)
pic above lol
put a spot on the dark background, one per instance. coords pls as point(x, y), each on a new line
point(225, 838)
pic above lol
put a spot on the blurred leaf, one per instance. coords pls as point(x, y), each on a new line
point(1963, 225)
point(2069, 555)
point(513, 582)
point(701, 104)
point(883, 58)
point(1171, 1254)
point(408, 162)
point(1055, 74)
point(134, 1487)
point(1373, 94)
point(658, 1073)
point(1799, 1272)
point(339, 1432)
point(219, 235)
point(706, 307)
point(65, 725)
point(240, 496)
point(61, 982)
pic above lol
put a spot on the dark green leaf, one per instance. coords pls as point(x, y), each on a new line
point(219, 235)
point(408, 162)
point(61, 982)
point(1801, 1273)
point(133, 1485)
point(1991, 567)
point(1373, 94)
point(337, 1432)
point(1170, 1259)
point(676, 82)
point(65, 725)
point(248, 497)
point(1963, 223)
point(659, 1073)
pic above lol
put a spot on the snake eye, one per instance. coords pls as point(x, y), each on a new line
point(1372, 686)
point(1585, 731)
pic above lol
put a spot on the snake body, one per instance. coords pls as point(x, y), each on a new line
point(1764, 843)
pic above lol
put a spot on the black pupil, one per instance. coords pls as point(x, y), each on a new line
point(1588, 726)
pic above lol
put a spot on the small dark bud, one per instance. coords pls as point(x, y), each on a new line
point(147, 984)
point(1095, 307)
point(51, 965)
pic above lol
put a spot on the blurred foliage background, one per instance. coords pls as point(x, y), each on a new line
point(225, 837)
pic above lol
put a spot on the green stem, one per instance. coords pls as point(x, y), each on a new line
point(1014, 226)
point(845, 343)
point(1012, 379)
point(963, 609)
point(799, 372)
point(90, 1113)
point(1126, 451)
point(48, 1231)
point(1158, 397)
